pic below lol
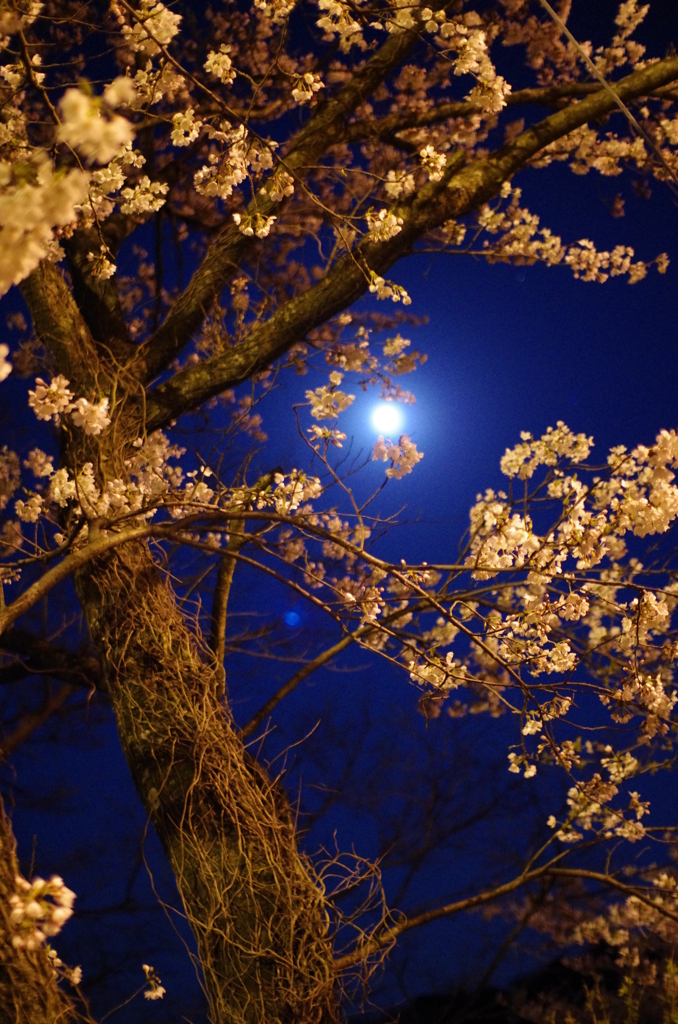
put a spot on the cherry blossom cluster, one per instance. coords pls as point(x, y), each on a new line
point(153, 26)
point(326, 434)
point(96, 137)
point(523, 241)
point(561, 609)
point(327, 401)
point(383, 289)
point(233, 157)
point(254, 224)
point(49, 401)
point(155, 989)
point(149, 478)
point(339, 21)
point(40, 909)
point(30, 210)
point(306, 87)
point(433, 162)
point(33, 206)
point(588, 806)
point(5, 365)
point(626, 927)
point(636, 495)
point(225, 171)
point(220, 65)
point(621, 920)
point(403, 455)
point(71, 974)
point(383, 225)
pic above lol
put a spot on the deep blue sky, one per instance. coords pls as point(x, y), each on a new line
point(509, 349)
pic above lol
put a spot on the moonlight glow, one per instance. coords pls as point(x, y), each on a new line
point(387, 418)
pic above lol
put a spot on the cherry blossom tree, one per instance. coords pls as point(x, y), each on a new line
point(289, 155)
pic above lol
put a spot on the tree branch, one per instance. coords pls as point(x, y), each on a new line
point(73, 561)
point(59, 324)
point(387, 126)
point(29, 723)
point(227, 564)
point(376, 942)
point(389, 935)
point(322, 659)
point(40, 657)
point(227, 251)
point(292, 683)
point(613, 883)
point(548, 96)
point(97, 298)
point(482, 178)
point(467, 189)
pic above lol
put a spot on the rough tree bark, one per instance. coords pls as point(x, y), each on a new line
point(251, 898)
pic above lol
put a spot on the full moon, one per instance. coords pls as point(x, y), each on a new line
point(387, 418)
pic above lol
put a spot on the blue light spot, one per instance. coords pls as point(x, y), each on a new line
point(292, 618)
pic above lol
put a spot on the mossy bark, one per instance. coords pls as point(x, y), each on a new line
point(251, 898)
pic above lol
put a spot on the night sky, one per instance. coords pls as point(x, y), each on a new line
point(509, 349)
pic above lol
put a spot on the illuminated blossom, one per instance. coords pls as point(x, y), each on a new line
point(326, 401)
point(306, 87)
point(39, 910)
point(383, 225)
point(91, 416)
point(156, 26)
point(83, 127)
point(5, 365)
point(49, 400)
point(219, 64)
point(155, 990)
point(186, 128)
point(403, 455)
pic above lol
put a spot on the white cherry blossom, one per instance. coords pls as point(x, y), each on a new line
point(92, 417)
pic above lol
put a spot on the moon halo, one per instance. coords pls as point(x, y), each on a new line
point(387, 418)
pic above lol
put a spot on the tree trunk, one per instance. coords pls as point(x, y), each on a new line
point(252, 900)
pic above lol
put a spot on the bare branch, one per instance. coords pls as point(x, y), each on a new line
point(220, 606)
point(297, 678)
point(385, 126)
point(29, 723)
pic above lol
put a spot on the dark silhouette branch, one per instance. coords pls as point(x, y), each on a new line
point(41, 657)
point(29, 723)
